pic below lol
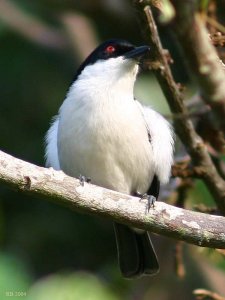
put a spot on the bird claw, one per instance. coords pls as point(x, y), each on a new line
point(150, 201)
point(84, 179)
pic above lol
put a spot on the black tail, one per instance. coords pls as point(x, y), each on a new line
point(135, 252)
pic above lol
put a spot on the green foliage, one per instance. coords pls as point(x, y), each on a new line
point(14, 278)
point(200, 194)
point(71, 286)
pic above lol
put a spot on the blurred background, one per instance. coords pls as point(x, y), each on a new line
point(46, 251)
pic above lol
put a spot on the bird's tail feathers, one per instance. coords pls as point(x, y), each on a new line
point(135, 252)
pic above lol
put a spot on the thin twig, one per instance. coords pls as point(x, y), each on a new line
point(218, 39)
point(201, 294)
point(179, 260)
point(221, 251)
point(81, 33)
point(183, 169)
point(215, 23)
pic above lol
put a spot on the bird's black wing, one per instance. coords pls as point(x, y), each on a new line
point(154, 187)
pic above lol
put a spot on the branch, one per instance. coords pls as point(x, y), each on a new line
point(184, 127)
point(201, 56)
point(218, 39)
point(192, 227)
point(205, 294)
point(31, 27)
point(81, 32)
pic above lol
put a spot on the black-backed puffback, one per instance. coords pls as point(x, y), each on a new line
point(103, 133)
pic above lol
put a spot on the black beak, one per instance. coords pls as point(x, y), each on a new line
point(137, 52)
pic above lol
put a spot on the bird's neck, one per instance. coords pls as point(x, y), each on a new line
point(110, 85)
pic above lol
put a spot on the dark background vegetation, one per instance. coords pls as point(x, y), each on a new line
point(47, 251)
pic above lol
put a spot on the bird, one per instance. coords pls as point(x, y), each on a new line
point(103, 133)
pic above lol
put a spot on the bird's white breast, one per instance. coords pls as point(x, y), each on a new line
point(102, 135)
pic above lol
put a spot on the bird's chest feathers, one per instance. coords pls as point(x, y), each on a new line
point(100, 117)
point(106, 131)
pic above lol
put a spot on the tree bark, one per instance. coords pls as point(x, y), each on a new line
point(181, 224)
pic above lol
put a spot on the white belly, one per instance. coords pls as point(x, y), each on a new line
point(108, 144)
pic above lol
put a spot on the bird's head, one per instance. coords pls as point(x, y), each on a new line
point(112, 60)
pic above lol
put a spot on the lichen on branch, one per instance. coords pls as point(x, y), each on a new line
point(181, 224)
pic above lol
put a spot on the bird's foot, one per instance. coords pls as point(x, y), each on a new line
point(84, 179)
point(150, 200)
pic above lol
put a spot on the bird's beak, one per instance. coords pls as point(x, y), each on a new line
point(137, 52)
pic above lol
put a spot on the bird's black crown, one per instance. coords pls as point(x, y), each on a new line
point(108, 49)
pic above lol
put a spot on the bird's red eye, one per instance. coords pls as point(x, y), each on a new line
point(110, 49)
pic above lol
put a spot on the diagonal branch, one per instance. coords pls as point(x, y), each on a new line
point(192, 227)
point(184, 127)
point(201, 56)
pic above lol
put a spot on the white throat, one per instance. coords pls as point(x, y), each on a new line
point(114, 76)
